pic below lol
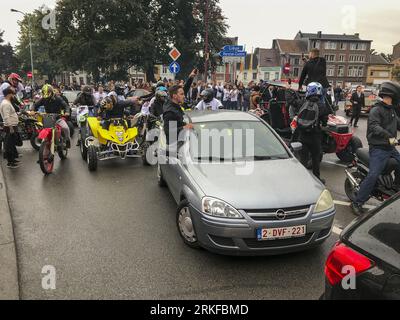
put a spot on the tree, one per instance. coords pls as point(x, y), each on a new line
point(43, 46)
point(8, 59)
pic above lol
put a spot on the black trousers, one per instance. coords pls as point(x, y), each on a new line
point(311, 145)
point(10, 149)
point(356, 111)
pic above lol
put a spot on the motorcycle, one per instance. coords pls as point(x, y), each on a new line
point(358, 171)
point(53, 141)
point(111, 139)
point(82, 116)
point(153, 125)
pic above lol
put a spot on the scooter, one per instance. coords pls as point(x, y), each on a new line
point(358, 171)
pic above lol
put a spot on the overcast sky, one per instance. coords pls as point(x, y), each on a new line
point(257, 22)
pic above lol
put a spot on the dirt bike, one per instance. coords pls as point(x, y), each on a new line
point(53, 140)
point(358, 171)
point(29, 128)
point(82, 116)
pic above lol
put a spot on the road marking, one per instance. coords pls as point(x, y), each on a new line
point(337, 230)
point(348, 204)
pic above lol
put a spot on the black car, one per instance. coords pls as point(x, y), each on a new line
point(369, 248)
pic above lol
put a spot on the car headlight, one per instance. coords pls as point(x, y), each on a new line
point(325, 202)
point(218, 208)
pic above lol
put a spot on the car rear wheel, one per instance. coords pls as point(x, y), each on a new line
point(185, 225)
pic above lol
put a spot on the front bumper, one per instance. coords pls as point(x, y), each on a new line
point(239, 237)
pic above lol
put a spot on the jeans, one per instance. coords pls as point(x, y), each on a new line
point(311, 145)
point(378, 159)
point(10, 149)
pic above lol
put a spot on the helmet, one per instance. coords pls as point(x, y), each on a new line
point(314, 89)
point(161, 94)
point(106, 103)
point(14, 77)
point(207, 95)
point(164, 89)
point(119, 89)
point(390, 89)
point(47, 91)
point(87, 90)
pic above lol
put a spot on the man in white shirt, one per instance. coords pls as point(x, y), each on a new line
point(99, 95)
point(208, 101)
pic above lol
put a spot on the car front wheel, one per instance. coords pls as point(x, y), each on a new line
point(185, 225)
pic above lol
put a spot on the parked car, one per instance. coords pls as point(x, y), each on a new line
point(370, 100)
point(261, 211)
point(370, 246)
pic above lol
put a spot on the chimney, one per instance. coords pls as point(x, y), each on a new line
point(357, 35)
point(319, 34)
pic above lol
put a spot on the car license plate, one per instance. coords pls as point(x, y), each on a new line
point(281, 233)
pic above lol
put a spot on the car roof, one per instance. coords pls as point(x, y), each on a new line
point(221, 115)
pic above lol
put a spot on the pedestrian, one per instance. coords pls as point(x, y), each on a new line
point(383, 125)
point(99, 95)
point(28, 91)
point(338, 95)
point(246, 97)
point(10, 119)
point(225, 99)
point(358, 102)
point(240, 96)
point(315, 71)
point(255, 98)
point(312, 115)
point(234, 95)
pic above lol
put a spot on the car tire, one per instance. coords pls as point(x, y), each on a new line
point(160, 178)
point(184, 223)
point(92, 158)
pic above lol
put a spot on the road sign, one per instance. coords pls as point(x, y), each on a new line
point(286, 68)
point(241, 54)
point(174, 54)
point(233, 48)
point(233, 59)
point(29, 74)
point(174, 67)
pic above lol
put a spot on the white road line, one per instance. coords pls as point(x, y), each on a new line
point(337, 230)
point(347, 204)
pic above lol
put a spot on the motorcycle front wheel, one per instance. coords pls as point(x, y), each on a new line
point(35, 141)
point(46, 159)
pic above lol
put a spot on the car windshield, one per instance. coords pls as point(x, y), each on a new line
point(235, 141)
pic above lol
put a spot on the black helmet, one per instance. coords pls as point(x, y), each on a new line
point(390, 89)
point(207, 95)
point(87, 90)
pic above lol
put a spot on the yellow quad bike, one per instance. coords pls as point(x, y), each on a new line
point(118, 142)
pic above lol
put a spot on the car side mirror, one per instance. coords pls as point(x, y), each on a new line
point(296, 146)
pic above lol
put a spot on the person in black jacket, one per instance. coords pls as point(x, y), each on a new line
point(383, 124)
point(86, 98)
point(315, 71)
point(358, 102)
point(173, 113)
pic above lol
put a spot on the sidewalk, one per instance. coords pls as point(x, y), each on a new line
point(9, 289)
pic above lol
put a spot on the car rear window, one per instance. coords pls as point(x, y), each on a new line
point(380, 234)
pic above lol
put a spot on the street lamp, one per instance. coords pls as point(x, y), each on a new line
point(30, 45)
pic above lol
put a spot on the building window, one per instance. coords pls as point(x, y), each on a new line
point(340, 71)
point(358, 46)
point(295, 72)
point(266, 76)
point(355, 71)
point(330, 71)
point(343, 46)
point(360, 71)
point(276, 75)
point(330, 57)
point(342, 58)
point(245, 76)
point(330, 45)
point(164, 69)
point(357, 58)
point(297, 61)
point(315, 44)
point(81, 80)
point(254, 76)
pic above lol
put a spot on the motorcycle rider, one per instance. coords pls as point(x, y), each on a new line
point(157, 107)
point(383, 124)
point(55, 105)
point(311, 137)
point(208, 101)
point(86, 98)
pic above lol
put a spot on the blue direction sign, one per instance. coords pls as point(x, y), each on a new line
point(233, 48)
point(239, 54)
point(174, 67)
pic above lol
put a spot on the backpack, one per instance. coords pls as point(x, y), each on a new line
point(308, 116)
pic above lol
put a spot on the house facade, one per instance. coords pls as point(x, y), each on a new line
point(379, 70)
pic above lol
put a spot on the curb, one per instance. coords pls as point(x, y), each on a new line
point(9, 288)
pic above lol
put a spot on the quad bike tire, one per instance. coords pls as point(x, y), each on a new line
point(92, 158)
point(347, 155)
point(35, 141)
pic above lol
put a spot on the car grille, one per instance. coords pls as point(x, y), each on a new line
point(271, 214)
point(255, 244)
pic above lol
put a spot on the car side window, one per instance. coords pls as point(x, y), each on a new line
point(380, 235)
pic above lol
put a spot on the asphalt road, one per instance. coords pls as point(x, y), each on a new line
point(112, 235)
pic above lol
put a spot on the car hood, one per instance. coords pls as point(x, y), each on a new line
point(270, 184)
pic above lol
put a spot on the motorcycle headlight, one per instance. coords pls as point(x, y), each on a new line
point(325, 202)
point(218, 208)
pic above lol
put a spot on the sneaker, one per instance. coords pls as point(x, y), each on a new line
point(358, 210)
point(12, 165)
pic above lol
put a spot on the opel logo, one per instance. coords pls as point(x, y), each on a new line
point(281, 214)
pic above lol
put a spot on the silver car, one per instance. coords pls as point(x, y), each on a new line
point(261, 204)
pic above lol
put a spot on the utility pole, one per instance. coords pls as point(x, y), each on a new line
point(206, 53)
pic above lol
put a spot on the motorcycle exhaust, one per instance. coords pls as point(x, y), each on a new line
point(352, 180)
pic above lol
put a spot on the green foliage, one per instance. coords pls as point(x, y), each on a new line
point(8, 59)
